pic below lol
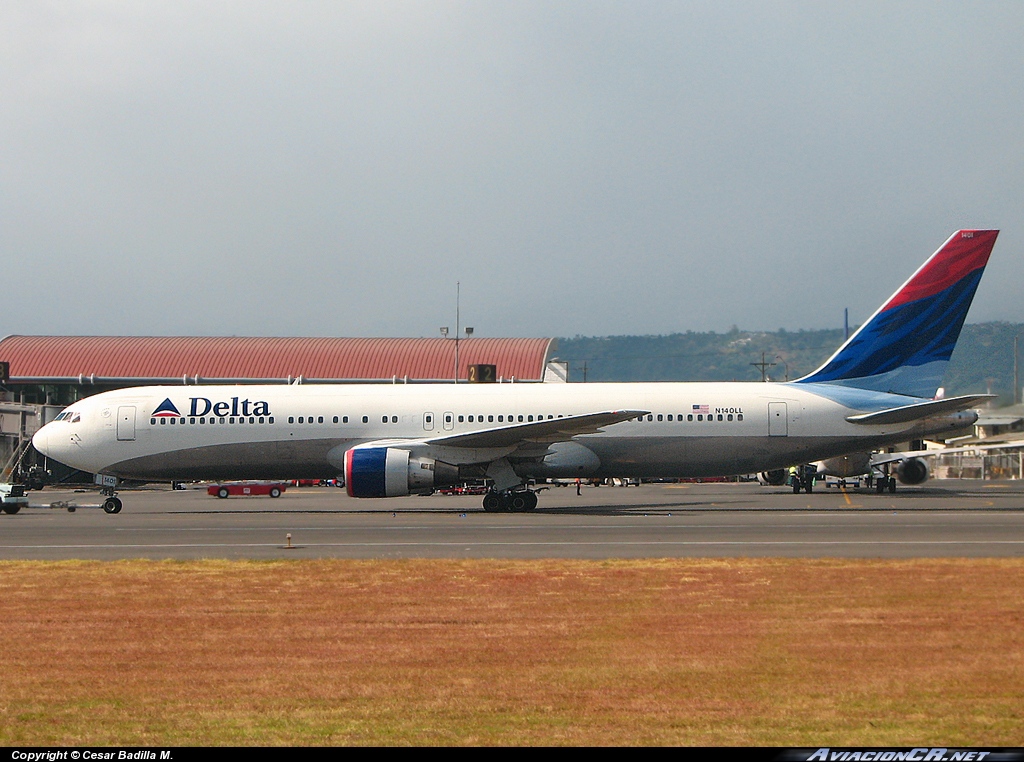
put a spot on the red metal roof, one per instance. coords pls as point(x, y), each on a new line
point(50, 359)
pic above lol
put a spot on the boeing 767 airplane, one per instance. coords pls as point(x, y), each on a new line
point(393, 440)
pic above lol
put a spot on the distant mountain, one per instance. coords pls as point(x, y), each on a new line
point(983, 359)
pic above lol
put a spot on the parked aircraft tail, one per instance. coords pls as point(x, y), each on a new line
point(905, 346)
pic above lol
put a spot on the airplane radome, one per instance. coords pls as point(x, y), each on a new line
point(392, 440)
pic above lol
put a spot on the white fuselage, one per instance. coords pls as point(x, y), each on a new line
point(692, 429)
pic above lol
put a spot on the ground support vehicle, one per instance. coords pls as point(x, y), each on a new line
point(12, 497)
point(247, 489)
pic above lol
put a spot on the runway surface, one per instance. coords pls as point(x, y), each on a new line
point(939, 519)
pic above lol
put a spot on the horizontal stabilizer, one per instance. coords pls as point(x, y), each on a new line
point(549, 430)
point(908, 413)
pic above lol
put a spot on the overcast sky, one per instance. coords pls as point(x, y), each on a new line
point(333, 168)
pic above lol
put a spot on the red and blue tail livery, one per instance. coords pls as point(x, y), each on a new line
point(905, 346)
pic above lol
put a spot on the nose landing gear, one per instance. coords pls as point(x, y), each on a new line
point(111, 504)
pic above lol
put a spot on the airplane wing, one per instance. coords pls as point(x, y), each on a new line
point(881, 458)
point(538, 432)
point(908, 413)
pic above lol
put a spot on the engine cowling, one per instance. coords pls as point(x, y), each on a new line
point(774, 478)
point(394, 472)
point(913, 471)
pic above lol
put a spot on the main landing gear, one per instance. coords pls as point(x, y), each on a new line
point(510, 501)
point(886, 481)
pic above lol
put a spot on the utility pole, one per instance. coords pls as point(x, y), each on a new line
point(764, 366)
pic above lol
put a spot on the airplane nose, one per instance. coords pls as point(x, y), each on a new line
point(41, 440)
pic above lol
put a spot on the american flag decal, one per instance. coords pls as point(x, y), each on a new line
point(700, 408)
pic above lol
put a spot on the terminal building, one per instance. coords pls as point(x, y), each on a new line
point(40, 375)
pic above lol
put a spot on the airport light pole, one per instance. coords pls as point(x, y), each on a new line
point(458, 330)
point(786, 364)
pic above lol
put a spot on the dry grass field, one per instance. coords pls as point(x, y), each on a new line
point(708, 652)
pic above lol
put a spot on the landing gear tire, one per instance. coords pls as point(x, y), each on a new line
point(223, 493)
point(112, 505)
point(492, 502)
point(517, 502)
point(531, 501)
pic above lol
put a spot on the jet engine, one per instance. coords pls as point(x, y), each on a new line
point(912, 471)
point(393, 472)
point(774, 478)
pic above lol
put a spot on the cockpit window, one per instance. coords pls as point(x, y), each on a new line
point(69, 416)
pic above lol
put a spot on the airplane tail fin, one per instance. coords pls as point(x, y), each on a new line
point(905, 346)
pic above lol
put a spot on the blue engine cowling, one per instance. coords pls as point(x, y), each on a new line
point(394, 472)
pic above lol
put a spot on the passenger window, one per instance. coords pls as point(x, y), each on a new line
point(720, 417)
point(261, 419)
point(490, 419)
point(689, 417)
point(529, 418)
point(461, 419)
point(343, 420)
point(501, 419)
point(700, 416)
point(232, 420)
point(291, 419)
point(739, 416)
point(383, 419)
point(729, 417)
point(366, 419)
point(670, 417)
point(152, 421)
point(650, 418)
point(660, 418)
point(163, 421)
point(520, 419)
point(394, 419)
point(320, 419)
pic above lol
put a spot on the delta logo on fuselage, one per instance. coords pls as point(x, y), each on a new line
point(166, 409)
point(204, 406)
